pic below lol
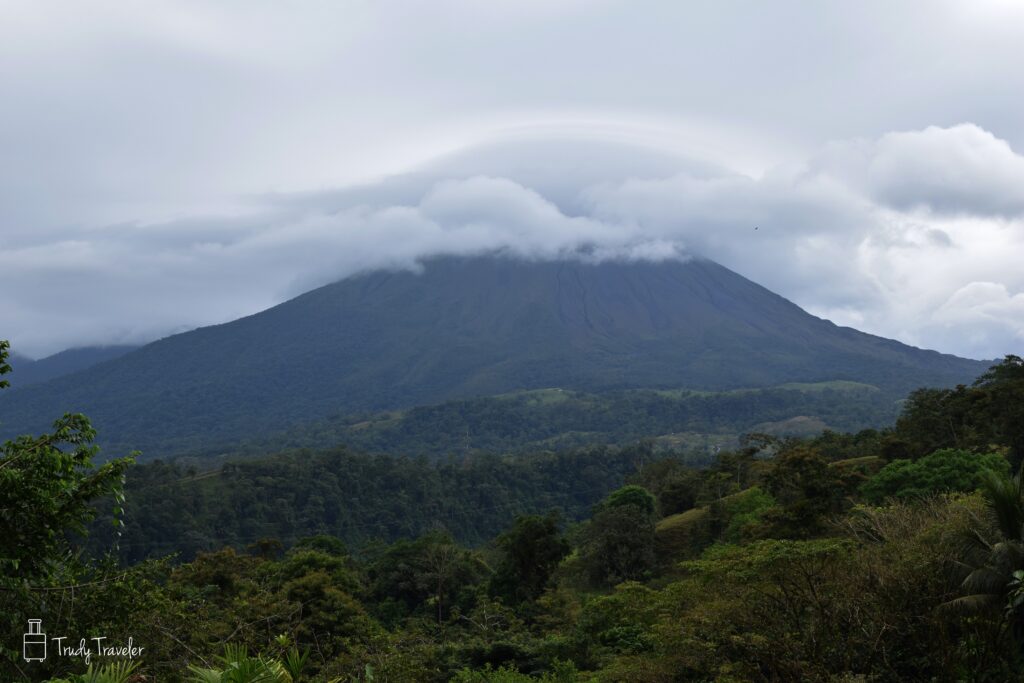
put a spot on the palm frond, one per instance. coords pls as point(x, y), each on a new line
point(116, 672)
point(986, 580)
point(1005, 498)
point(233, 653)
point(295, 661)
point(201, 675)
point(972, 604)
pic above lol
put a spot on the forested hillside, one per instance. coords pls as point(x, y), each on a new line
point(466, 328)
point(26, 372)
point(883, 555)
point(547, 419)
point(356, 497)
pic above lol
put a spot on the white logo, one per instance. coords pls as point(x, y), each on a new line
point(34, 643)
point(34, 646)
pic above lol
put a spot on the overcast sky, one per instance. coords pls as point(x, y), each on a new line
point(165, 165)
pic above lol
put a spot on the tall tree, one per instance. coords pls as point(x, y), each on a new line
point(531, 549)
point(48, 487)
point(618, 544)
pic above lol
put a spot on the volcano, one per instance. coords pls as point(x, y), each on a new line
point(462, 327)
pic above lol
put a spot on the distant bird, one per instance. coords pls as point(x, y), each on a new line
point(755, 227)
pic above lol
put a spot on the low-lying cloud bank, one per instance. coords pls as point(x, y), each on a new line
point(915, 235)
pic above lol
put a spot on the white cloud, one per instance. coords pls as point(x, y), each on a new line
point(957, 170)
point(824, 238)
point(980, 316)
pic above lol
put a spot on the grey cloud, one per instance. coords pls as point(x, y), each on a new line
point(118, 112)
point(179, 164)
point(939, 238)
point(784, 234)
point(823, 239)
point(980, 317)
point(132, 283)
point(958, 170)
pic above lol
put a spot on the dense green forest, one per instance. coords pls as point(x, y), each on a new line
point(881, 555)
point(353, 496)
point(177, 507)
point(545, 419)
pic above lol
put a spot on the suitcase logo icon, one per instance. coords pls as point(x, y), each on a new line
point(34, 644)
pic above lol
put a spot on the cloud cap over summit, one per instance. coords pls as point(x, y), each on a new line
point(184, 164)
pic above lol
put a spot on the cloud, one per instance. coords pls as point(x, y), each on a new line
point(132, 283)
point(980, 315)
point(786, 233)
point(186, 163)
point(826, 233)
point(958, 170)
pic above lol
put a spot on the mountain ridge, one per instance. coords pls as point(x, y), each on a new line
point(62, 363)
point(465, 327)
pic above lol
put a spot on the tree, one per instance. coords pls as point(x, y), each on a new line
point(1004, 384)
point(531, 549)
point(806, 488)
point(48, 488)
point(330, 615)
point(990, 412)
point(1010, 369)
point(675, 485)
point(431, 574)
point(618, 544)
point(944, 470)
point(48, 485)
point(996, 581)
point(631, 494)
point(936, 418)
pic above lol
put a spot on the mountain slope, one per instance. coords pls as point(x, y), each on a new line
point(555, 419)
point(28, 372)
point(468, 327)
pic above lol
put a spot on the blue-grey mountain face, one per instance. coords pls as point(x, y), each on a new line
point(467, 327)
point(28, 372)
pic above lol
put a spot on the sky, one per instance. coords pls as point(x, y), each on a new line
point(167, 165)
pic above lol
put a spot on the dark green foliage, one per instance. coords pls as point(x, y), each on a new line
point(779, 570)
point(5, 367)
point(632, 494)
point(807, 489)
point(49, 484)
point(994, 582)
point(330, 612)
point(618, 543)
point(1004, 386)
point(534, 420)
point(676, 486)
point(618, 622)
point(743, 513)
point(431, 575)
point(835, 446)
point(991, 412)
point(48, 487)
point(939, 418)
point(323, 543)
point(942, 471)
point(531, 550)
point(354, 497)
point(303, 561)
